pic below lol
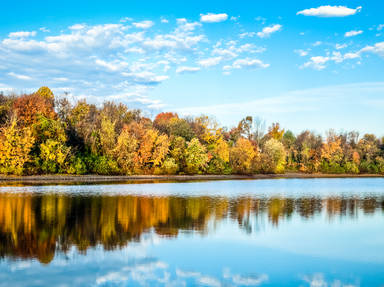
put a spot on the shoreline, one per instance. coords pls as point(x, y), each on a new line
point(84, 179)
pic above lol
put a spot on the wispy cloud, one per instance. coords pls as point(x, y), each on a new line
point(267, 31)
point(209, 62)
point(186, 69)
point(19, 76)
point(353, 33)
point(319, 62)
point(304, 103)
point(247, 63)
point(377, 48)
point(22, 34)
point(301, 53)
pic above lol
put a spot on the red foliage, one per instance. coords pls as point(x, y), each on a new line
point(164, 118)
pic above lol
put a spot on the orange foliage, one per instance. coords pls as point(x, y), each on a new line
point(29, 107)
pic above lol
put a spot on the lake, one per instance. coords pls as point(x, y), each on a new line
point(279, 232)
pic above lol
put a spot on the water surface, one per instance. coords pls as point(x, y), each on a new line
point(280, 232)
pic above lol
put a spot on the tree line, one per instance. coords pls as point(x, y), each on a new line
point(44, 134)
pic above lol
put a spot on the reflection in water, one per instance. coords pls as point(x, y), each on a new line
point(38, 225)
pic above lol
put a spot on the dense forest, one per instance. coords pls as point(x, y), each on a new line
point(44, 134)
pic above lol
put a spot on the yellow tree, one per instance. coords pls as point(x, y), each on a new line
point(45, 92)
point(15, 146)
point(125, 151)
point(196, 157)
point(273, 157)
point(275, 132)
point(242, 156)
point(332, 154)
point(161, 149)
point(107, 136)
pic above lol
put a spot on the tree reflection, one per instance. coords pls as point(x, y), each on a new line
point(38, 225)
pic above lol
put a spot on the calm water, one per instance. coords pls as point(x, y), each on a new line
point(282, 232)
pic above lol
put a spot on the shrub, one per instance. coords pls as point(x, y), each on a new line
point(351, 167)
point(76, 166)
point(169, 167)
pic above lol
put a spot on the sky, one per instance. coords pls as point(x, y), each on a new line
point(306, 64)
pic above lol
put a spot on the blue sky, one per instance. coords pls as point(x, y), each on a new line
point(306, 64)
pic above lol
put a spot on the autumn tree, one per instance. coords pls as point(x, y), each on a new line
point(15, 146)
point(273, 157)
point(163, 122)
point(275, 132)
point(53, 156)
point(51, 150)
point(46, 93)
point(368, 149)
point(107, 136)
point(125, 151)
point(242, 156)
point(308, 151)
point(83, 126)
point(196, 157)
point(29, 108)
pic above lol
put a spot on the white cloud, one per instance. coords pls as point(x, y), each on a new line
point(267, 31)
point(249, 281)
point(330, 11)
point(353, 33)
point(209, 281)
point(348, 56)
point(22, 34)
point(378, 48)
point(247, 34)
point(318, 280)
point(61, 79)
point(187, 26)
point(77, 27)
point(213, 18)
point(301, 53)
point(143, 24)
point(316, 62)
point(247, 63)
point(209, 62)
point(126, 19)
point(44, 29)
point(182, 273)
point(113, 62)
point(19, 76)
point(380, 27)
point(164, 20)
point(319, 62)
point(186, 69)
point(341, 46)
point(317, 43)
point(115, 66)
point(227, 54)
